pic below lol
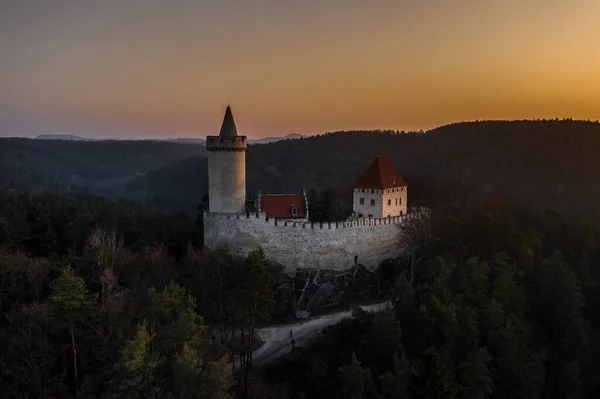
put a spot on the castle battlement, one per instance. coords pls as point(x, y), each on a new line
point(281, 227)
point(262, 217)
point(302, 244)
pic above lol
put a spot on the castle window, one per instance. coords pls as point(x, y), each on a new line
point(370, 216)
point(400, 201)
point(389, 202)
point(372, 191)
point(393, 181)
point(361, 201)
point(363, 190)
point(294, 211)
point(396, 201)
point(360, 215)
point(372, 202)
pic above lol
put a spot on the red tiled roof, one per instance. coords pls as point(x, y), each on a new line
point(280, 205)
point(380, 175)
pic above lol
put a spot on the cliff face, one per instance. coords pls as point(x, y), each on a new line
point(313, 289)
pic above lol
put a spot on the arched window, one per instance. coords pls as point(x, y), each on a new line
point(294, 210)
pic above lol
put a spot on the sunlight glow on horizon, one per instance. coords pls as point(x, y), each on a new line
point(148, 68)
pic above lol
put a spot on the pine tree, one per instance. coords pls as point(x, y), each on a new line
point(69, 296)
point(137, 371)
point(351, 380)
point(474, 376)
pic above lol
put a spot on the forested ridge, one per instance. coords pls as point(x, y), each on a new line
point(550, 164)
point(539, 164)
point(83, 166)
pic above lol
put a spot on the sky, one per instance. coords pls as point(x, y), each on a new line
point(158, 68)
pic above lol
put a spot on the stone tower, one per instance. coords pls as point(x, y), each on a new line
point(227, 168)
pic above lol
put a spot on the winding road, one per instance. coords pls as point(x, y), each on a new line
point(277, 341)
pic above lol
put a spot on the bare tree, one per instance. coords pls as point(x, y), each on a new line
point(107, 249)
point(414, 235)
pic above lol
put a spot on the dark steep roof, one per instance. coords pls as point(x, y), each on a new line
point(280, 205)
point(228, 128)
point(380, 175)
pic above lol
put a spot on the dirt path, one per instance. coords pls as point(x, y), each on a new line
point(277, 341)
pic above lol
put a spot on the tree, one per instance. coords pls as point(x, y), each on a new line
point(432, 377)
point(474, 377)
point(414, 235)
point(351, 380)
point(137, 371)
point(69, 296)
point(173, 322)
point(395, 382)
point(257, 299)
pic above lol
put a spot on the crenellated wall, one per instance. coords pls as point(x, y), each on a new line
point(305, 244)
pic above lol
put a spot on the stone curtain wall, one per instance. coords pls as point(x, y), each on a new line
point(306, 245)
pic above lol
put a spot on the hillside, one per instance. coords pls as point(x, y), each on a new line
point(100, 167)
point(538, 164)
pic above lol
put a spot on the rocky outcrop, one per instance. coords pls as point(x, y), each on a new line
point(310, 289)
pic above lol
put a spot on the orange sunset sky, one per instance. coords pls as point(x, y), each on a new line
point(157, 68)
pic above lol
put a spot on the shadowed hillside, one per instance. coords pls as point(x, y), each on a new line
point(99, 167)
point(539, 164)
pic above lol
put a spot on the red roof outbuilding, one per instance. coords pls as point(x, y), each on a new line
point(280, 205)
point(380, 175)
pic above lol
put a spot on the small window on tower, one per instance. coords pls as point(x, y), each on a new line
point(400, 201)
point(396, 201)
point(372, 191)
point(363, 190)
point(361, 201)
point(389, 202)
point(372, 202)
point(393, 181)
point(294, 211)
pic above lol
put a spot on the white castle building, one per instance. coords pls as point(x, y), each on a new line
point(280, 225)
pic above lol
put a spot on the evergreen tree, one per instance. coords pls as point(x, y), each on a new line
point(474, 376)
point(69, 296)
point(351, 380)
point(137, 372)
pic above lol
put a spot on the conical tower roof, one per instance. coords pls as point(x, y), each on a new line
point(228, 128)
point(380, 175)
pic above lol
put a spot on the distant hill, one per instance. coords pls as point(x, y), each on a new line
point(60, 137)
point(264, 140)
point(100, 167)
point(545, 164)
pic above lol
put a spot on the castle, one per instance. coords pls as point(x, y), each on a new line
point(280, 223)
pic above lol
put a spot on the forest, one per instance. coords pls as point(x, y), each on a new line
point(110, 297)
point(108, 304)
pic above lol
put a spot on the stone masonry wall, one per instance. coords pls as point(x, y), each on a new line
point(367, 196)
point(227, 181)
point(306, 245)
point(396, 197)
